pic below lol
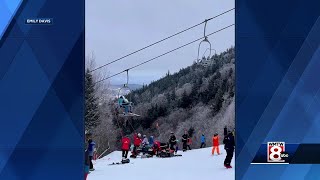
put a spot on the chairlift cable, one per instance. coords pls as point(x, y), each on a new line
point(162, 54)
point(169, 37)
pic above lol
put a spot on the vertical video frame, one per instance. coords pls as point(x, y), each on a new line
point(160, 90)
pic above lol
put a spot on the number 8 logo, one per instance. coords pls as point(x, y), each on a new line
point(275, 153)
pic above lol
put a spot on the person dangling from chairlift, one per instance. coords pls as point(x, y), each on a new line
point(126, 104)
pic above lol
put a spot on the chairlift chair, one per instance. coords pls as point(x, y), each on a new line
point(205, 62)
point(125, 110)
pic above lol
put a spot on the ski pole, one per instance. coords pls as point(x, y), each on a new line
point(104, 151)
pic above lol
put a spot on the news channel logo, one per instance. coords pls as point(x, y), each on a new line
point(276, 152)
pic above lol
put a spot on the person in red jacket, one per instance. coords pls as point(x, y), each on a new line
point(156, 147)
point(136, 143)
point(215, 143)
point(125, 146)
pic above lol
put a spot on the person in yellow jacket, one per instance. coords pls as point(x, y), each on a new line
point(215, 143)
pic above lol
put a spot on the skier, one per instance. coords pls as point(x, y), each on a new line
point(172, 141)
point(185, 137)
point(229, 145)
point(90, 149)
point(125, 147)
point(215, 144)
point(136, 143)
point(203, 141)
point(86, 164)
point(125, 103)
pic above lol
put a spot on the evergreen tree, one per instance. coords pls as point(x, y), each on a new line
point(173, 96)
point(185, 100)
point(168, 97)
point(168, 74)
point(91, 102)
point(218, 100)
point(194, 92)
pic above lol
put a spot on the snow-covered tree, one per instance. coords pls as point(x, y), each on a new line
point(91, 102)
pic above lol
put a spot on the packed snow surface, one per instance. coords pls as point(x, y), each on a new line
point(192, 165)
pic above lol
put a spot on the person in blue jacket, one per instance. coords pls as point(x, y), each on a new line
point(203, 141)
point(151, 141)
point(123, 102)
point(90, 149)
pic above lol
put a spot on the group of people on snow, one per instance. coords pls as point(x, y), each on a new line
point(172, 144)
point(144, 141)
point(138, 142)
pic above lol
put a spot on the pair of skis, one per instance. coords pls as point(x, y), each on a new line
point(124, 161)
point(176, 155)
point(119, 163)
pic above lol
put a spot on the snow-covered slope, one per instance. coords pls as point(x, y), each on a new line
point(194, 164)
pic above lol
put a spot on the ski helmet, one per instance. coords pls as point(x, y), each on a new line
point(139, 134)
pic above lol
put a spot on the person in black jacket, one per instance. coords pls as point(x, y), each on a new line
point(172, 141)
point(185, 137)
point(229, 145)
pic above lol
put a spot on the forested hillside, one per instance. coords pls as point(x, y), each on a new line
point(197, 98)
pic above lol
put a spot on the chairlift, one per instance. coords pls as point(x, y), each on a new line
point(125, 106)
point(204, 41)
